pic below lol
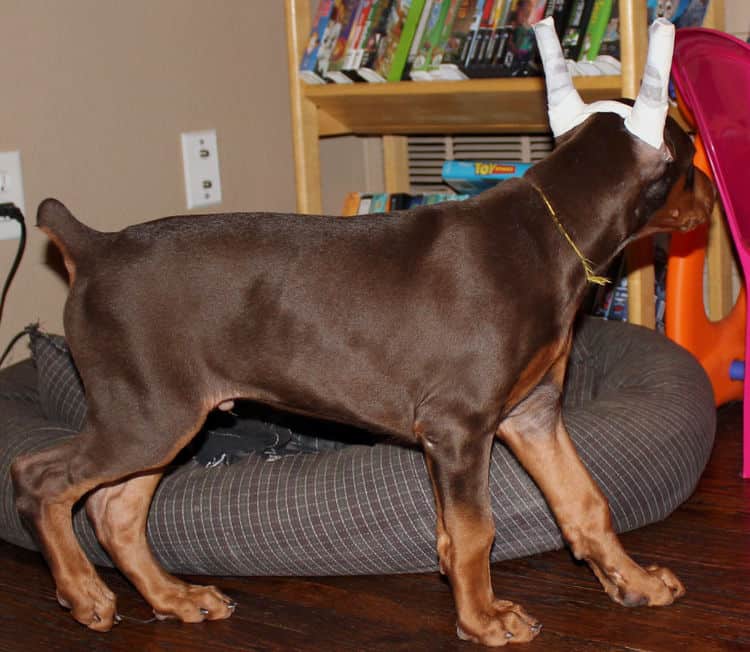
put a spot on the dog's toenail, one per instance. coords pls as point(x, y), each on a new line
point(508, 635)
point(118, 618)
point(204, 612)
point(536, 628)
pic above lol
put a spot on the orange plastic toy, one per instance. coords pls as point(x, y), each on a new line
point(716, 344)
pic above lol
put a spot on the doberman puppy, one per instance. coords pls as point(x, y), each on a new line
point(448, 326)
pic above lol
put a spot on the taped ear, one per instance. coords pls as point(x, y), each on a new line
point(645, 119)
point(650, 109)
point(565, 108)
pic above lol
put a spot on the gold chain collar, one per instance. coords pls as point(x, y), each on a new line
point(588, 266)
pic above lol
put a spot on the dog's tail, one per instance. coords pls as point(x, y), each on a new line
point(73, 238)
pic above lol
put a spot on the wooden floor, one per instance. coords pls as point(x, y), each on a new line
point(707, 542)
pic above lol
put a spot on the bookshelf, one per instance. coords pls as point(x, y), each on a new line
point(393, 110)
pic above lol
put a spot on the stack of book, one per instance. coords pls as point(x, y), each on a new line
point(473, 177)
point(466, 178)
point(425, 40)
point(358, 203)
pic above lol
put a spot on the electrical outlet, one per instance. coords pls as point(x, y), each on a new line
point(200, 161)
point(11, 190)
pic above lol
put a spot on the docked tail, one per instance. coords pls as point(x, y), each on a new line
point(73, 238)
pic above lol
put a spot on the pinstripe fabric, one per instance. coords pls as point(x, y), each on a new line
point(639, 409)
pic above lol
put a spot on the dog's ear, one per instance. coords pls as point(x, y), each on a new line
point(565, 107)
point(689, 204)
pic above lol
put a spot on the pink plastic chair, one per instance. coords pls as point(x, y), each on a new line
point(712, 73)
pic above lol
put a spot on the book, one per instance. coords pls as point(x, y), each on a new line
point(610, 45)
point(683, 13)
point(352, 11)
point(597, 27)
point(479, 56)
point(358, 38)
point(470, 46)
point(670, 10)
point(417, 39)
point(559, 10)
point(575, 29)
point(509, 48)
point(438, 54)
point(374, 41)
point(309, 66)
point(519, 57)
point(403, 20)
point(428, 46)
point(472, 177)
point(380, 202)
point(693, 15)
point(365, 201)
point(468, 14)
point(351, 204)
point(400, 201)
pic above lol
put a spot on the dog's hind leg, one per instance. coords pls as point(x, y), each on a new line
point(50, 482)
point(458, 465)
point(536, 434)
point(119, 513)
point(47, 485)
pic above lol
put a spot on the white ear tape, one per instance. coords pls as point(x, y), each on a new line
point(565, 106)
point(649, 112)
point(645, 119)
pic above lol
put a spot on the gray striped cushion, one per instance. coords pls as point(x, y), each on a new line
point(639, 409)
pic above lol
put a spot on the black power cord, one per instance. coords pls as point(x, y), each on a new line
point(13, 212)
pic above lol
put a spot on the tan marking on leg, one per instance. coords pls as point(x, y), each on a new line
point(465, 532)
point(541, 443)
point(79, 587)
point(119, 514)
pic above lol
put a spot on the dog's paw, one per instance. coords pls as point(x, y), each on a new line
point(504, 622)
point(91, 603)
point(193, 603)
point(660, 588)
point(653, 586)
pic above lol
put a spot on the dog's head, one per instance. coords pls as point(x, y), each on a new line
point(671, 192)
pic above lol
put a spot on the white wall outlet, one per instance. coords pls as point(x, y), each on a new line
point(11, 190)
point(200, 161)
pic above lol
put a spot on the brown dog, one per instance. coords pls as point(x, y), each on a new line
point(447, 325)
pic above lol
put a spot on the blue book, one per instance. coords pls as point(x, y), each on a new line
point(380, 203)
point(472, 177)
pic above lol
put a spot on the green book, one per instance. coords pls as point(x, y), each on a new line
point(430, 40)
point(402, 25)
point(596, 29)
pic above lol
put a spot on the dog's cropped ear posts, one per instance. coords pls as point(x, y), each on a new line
point(645, 119)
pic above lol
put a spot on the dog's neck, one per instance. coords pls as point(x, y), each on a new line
point(586, 264)
point(599, 204)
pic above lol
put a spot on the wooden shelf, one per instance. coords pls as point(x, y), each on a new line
point(470, 106)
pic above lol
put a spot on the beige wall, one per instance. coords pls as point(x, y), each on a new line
point(95, 95)
point(738, 17)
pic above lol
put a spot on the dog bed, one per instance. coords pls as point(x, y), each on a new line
point(639, 409)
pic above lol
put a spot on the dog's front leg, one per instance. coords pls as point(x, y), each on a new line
point(536, 434)
point(458, 465)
